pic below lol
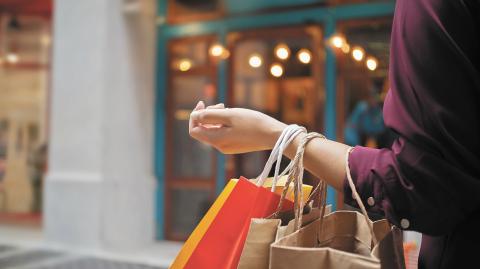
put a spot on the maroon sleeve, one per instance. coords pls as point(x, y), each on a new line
point(429, 180)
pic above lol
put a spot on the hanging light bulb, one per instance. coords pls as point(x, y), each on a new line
point(345, 48)
point(276, 70)
point(337, 41)
point(12, 58)
point(217, 50)
point(304, 56)
point(184, 65)
point(371, 63)
point(358, 53)
point(282, 51)
point(255, 60)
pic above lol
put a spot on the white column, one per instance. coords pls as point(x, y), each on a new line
point(100, 186)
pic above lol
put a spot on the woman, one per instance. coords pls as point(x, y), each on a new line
point(429, 180)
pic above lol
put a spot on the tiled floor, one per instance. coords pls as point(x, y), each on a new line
point(25, 248)
point(44, 259)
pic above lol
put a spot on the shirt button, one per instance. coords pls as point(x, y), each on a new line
point(404, 223)
point(370, 201)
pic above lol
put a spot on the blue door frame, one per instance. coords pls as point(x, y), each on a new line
point(328, 16)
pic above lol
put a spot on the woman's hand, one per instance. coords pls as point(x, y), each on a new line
point(234, 130)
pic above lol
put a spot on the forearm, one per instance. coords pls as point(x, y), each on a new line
point(323, 158)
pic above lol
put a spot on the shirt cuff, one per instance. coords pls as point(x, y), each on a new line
point(370, 189)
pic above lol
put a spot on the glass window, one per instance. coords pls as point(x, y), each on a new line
point(191, 158)
point(278, 72)
point(24, 60)
point(363, 82)
point(190, 165)
point(190, 206)
point(189, 55)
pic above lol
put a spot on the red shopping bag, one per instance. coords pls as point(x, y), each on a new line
point(222, 244)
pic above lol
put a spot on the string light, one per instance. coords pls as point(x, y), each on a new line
point(304, 56)
point(282, 51)
point(371, 63)
point(358, 53)
point(184, 65)
point(276, 70)
point(217, 50)
point(12, 58)
point(345, 48)
point(255, 61)
point(337, 41)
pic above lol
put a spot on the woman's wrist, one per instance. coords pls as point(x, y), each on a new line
point(273, 133)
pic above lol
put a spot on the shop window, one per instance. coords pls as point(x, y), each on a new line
point(24, 73)
point(190, 165)
point(278, 72)
point(363, 82)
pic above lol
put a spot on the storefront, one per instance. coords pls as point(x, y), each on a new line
point(322, 64)
point(25, 45)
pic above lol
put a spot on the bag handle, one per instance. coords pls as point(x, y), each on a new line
point(296, 175)
point(356, 196)
point(286, 137)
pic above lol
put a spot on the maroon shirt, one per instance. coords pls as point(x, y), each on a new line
point(429, 180)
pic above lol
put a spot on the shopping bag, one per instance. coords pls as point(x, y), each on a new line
point(264, 231)
point(219, 237)
point(341, 239)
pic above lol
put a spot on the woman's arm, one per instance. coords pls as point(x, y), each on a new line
point(238, 130)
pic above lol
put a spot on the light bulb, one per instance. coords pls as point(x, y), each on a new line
point(217, 50)
point(276, 70)
point(12, 58)
point(255, 61)
point(358, 53)
point(372, 63)
point(184, 65)
point(337, 41)
point(304, 56)
point(282, 51)
point(345, 48)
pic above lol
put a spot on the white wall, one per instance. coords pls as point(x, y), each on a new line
point(100, 186)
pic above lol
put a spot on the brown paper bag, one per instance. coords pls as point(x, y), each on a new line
point(341, 239)
point(263, 232)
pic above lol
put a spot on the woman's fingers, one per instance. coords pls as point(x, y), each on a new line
point(212, 116)
point(217, 106)
point(200, 105)
point(209, 135)
point(191, 123)
point(208, 124)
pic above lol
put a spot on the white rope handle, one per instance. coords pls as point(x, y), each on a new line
point(356, 196)
point(286, 137)
point(296, 131)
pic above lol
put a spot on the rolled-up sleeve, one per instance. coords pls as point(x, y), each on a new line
point(429, 180)
point(413, 189)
